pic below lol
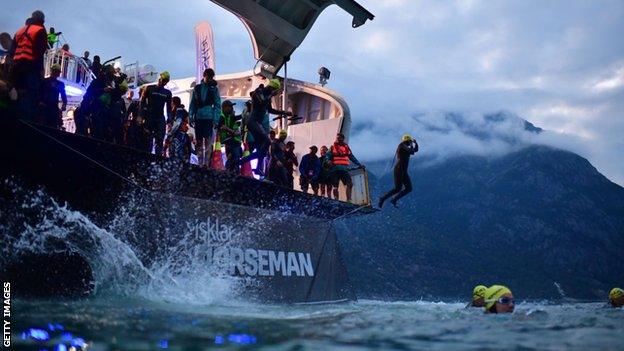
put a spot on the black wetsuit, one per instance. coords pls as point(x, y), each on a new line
point(401, 175)
point(260, 105)
point(157, 97)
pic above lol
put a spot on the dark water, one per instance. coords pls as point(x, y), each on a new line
point(164, 307)
point(122, 324)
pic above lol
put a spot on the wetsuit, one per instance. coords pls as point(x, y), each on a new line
point(401, 175)
point(156, 98)
point(51, 89)
point(290, 163)
point(277, 169)
point(94, 106)
point(260, 106)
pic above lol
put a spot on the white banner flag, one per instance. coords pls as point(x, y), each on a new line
point(204, 48)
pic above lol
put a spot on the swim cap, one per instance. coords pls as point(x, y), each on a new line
point(616, 293)
point(165, 75)
point(283, 133)
point(123, 87)
point(56, 67)
point(275, 84)
point(493, 293)
point(478, 292)
point(408, 137)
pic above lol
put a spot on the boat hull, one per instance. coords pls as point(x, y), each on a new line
point(277, 245)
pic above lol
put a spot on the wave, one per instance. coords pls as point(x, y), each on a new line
point(33, 222)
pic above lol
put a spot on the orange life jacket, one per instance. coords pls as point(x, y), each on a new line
point(25, 45)
point(340, 154)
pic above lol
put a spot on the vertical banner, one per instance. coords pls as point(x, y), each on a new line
point(204, 46)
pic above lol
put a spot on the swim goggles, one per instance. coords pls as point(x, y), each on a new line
point(503, 300)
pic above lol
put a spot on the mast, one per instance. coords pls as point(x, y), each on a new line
point(283, 123)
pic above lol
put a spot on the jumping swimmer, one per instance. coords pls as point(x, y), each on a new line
point(406, 148)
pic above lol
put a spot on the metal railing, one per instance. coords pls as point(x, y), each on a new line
point(73, 68)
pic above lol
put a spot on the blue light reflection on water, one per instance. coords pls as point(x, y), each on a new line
point(67, 339)
point(163, 344)
point(218, 340)
point(36, 334)
point(242, 339)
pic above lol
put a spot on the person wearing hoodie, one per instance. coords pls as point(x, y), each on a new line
point(205, 114)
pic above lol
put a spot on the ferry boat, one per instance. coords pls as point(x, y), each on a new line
point(279, 243)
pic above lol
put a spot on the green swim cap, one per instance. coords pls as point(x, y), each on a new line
point(275, 84)
point(478, 292)
point(616, 293)
point(165, 75)
point(493, 293)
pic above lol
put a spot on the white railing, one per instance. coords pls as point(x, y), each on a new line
point(73, 68)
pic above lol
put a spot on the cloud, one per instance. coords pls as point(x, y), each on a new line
point(615, 81)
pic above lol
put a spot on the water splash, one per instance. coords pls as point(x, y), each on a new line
point(33, 222)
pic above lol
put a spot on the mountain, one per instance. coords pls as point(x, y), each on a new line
point(529, 219)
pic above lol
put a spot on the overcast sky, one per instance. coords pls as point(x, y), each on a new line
point(558, 64)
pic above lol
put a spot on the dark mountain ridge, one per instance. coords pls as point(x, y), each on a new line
point(529, 219)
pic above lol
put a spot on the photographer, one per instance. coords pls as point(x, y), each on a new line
point(406, 148)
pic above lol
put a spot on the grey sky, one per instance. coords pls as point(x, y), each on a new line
point(558, 64)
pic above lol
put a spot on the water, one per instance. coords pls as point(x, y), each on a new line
point(169, 306)
point(132, 324)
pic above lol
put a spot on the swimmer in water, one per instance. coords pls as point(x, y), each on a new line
point(616, 297)
point(498, 299)
point(478, 299)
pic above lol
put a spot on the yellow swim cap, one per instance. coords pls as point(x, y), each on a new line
point(493, 293)
point(283, 133)
point(55, 67)
point(478, 292)
point(406, 137)
point(165, 75)
point(123, 87)
point(616, 293)
point(275, 84)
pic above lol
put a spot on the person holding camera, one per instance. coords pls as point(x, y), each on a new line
point(402, 182)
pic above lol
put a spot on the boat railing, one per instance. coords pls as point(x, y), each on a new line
point(73, 68)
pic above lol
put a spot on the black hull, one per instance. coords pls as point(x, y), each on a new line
point(279, 242)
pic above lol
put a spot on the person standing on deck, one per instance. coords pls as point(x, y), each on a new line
point(53, 38)
point(277, 168)
point(323, 178)
point(309, 170)
point(340, 156)
point(230, 135)
point(29, 45)
point(155, 98)
point(51, 89)
point(205, 114)
point(406, 148)
point(290, 164)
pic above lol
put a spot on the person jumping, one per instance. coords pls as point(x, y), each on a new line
point(406, 148)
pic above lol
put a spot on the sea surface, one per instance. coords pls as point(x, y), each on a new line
point(178, 303)
point(126, 324)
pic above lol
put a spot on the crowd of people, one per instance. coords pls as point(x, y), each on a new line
point(158, 122)
point(24, 91)
point(499, 299)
